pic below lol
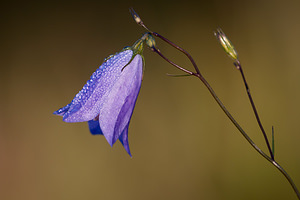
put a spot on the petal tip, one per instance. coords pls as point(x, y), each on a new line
point(129, 154)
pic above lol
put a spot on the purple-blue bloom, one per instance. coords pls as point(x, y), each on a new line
point(107, 100)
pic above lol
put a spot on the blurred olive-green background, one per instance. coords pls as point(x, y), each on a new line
point(183, 145)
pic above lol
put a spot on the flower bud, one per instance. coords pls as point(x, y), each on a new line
point(135, 16)
point(226, 44)
point(150, 41)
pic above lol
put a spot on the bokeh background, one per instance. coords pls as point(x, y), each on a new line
point(183, 145)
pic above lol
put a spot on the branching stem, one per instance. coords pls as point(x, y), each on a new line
point(199, 75)
point(239, 67)
point(214, 95)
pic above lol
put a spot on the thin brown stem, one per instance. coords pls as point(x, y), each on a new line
point(180, 49)
point(171, 62)
point(199, 75)
point(239, 67)
point(236, 124)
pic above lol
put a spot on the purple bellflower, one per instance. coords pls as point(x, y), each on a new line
point(107, 100)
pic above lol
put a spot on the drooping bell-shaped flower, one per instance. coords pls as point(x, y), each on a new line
point(107, 100)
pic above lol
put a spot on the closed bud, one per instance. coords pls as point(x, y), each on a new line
point(135, 16)
point(226, 44)
point(150, 41)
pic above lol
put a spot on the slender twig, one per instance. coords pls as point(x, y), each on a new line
point(239, 67)
point(262, 153)
point(273, 141)
point(141, 23)
point(199, 75)
point(180, 49)
point(171, 62)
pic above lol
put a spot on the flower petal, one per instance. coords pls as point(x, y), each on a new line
point(118, 104)
point(94, 127)
point(124, 140)
point(86, 104)
point(63, 110)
